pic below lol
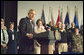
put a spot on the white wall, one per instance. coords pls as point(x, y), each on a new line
point(24, 6)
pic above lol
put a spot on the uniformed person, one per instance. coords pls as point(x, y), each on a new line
point(77, 42)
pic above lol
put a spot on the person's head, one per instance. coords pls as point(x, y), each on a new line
point(50, 23)
point(59, 24)
point(11, 25)
point(2, 22)
point(63, 26)
point(39, 22)
point(31, 14)
point(76, 30)
point(73, 24)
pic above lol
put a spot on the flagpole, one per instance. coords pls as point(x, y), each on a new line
point(67, 9)
point(62, 15)
point(67, 22)
point(49, 15)
point(75, 8)
point(58, 19)
point(50, 12)
point(43, 16)
point(76, 18)
point(59, 10)
point(52, 17)
point(76, 13)
point(43, 6)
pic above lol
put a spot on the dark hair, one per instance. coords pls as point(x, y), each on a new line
point(38, 21)
point(11, 23)
point(76, 28)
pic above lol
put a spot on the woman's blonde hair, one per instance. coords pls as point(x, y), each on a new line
point(2, 20)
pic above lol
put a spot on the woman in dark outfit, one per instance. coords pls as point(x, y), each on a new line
point(13, 40)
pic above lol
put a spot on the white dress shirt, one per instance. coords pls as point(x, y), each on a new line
point(6, 36)
point(39, 30)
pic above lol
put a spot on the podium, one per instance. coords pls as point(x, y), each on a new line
point(46, 39)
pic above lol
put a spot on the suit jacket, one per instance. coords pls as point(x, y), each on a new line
point(24, 28)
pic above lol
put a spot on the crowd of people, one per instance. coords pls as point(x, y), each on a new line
point(23, 42)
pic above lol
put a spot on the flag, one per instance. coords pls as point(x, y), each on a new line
point(67, 22)
point(43, 17)
point(61, 16)
point(58, 19)
point(76, 19)
point(51, 16)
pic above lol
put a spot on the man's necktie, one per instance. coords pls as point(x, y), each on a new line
point(3, 35)
point(12, 34)
point(32, 25)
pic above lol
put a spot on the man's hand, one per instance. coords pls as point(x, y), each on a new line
point(4, 45)
point(17, 47)
point(49, 29)
point(29, 35)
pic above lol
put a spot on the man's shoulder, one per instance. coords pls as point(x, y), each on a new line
point(23, 19)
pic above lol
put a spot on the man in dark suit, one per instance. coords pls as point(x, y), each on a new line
point(26, 30)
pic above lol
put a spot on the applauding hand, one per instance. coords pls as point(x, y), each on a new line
point(29, 35)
